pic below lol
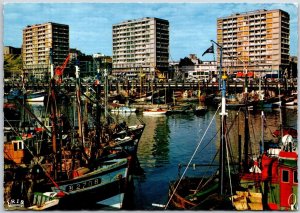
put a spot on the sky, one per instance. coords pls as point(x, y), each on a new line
point(192, 25)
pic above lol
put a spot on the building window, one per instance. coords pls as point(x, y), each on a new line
point(285, 176)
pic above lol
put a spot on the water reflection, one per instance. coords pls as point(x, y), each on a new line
point(168, 141)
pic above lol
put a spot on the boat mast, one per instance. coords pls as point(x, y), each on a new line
point(280, 108)
point(105, 94)
point(222, 87)
point(23, 123)
point(262, 132)
point(165, 95)
point(261, 96)
point(199, 93)
point(246, 144)
point(141, 83)
point(53, 117)
point(98, 91)
point(80, 131)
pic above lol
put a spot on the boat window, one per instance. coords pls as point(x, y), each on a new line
point(15, 146)
point(295, 177)
point(285, 176)
point(21, 145)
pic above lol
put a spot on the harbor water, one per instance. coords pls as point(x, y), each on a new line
point(169, 143)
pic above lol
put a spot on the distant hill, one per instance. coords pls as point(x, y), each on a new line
point(12, 63)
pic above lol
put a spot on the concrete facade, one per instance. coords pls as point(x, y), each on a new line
point(38, 40)
point(257, 41)
point(140, 45)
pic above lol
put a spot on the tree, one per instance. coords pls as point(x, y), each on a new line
point(12, 65)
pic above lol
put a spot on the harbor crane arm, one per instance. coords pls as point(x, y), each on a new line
point(59, 70)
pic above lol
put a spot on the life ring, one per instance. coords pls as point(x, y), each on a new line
point(292, 205)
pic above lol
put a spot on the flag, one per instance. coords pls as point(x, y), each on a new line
point(209, 50)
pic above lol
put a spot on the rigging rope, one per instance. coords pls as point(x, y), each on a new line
point(252, 144)
point(191, 159)
point(227, 155)
point(46, 173)
point(229, 129)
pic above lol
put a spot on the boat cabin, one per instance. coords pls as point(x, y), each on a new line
point(14, 150)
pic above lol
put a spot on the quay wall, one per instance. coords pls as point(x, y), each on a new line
point(235, 87)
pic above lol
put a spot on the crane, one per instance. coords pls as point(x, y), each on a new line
point(59, 70)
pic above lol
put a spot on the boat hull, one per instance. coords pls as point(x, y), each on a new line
point(124, 110)
point(200, 110)
point(86, 190)
point(154, 112)
point(278, 191)
point(182, 199)
point(36, 99)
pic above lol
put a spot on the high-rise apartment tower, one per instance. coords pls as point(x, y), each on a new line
point(38, 40)
point(140, 45)
point(255, 41)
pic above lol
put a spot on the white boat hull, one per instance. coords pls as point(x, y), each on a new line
point(154, 112)
point(290, 103)
point(132, 110)
point(37, 99)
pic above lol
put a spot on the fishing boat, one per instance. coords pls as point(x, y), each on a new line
point(200, 110)
point(295, 96)
point(288, 101)
point(180, 109)
point(124, 109)
point(133, 130)
point(186, 96)
point(11, 111)
point(87, 187)
point(77, 173)
point(83, 188)
point(44, 201)
point(28, 96)
point(15, 150)
point(37, 96)
point(155, 111)
point(274, 172)
point(140, 99)
point(276, 104)
point(276, 177)
point(12, 94)
point(207, 192)
point(124, 142)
